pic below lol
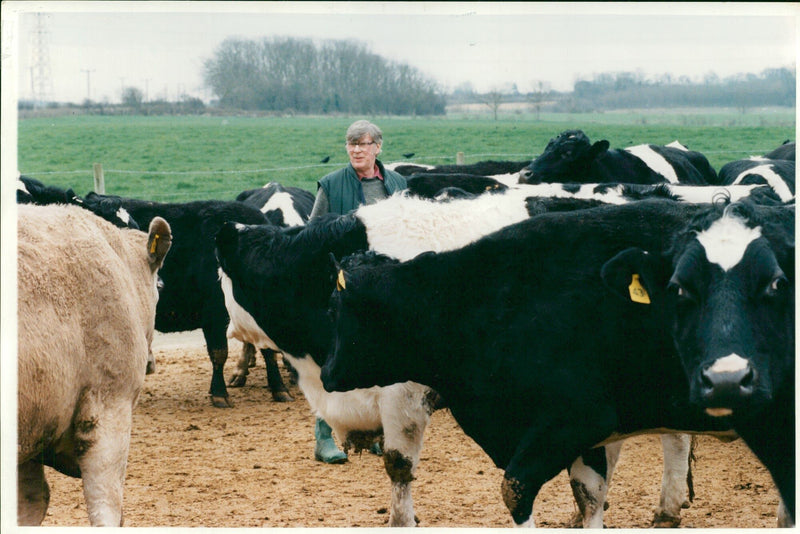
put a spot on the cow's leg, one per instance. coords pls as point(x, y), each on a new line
point(33, 494)
point(274, 380)
point(544, 450)
point(404, 420)
point(590, 477)
point(217, 346)
point(151, 363)
point(102, 441)
point(243, 365)
point(676, 484)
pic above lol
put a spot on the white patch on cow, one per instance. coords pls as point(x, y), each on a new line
point(758, 158)
point(21, 186)
point(392, 166)
point(509, 179)
point(124, 216)
point(726, 240)
point(242, 325)
point(772, 178)
point(655, 161)
point(704, 194)
point(400, 226)
point(733, 363)
point(677, 144)
point(592, 493)
point(283, 201)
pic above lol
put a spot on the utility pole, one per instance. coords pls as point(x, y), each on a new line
point(41, 75)
point(88, 83)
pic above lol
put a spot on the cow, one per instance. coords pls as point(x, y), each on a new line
point(32, 191)
point(522, 337)
point(785, 151)
point(282, 206)
point(571, 157)
point(481, 168)
point(86, 308)
point(192, 297)
point(277, 292)
point(779, 174)
point(430, 185)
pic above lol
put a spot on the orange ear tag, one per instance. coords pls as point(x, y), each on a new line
point(154, 243)
point(340, 285)
point(637, 291)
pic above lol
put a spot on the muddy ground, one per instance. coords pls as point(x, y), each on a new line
point(192, 465)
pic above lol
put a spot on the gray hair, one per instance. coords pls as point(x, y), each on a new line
point(359, 129)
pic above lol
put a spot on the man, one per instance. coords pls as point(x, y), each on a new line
point(363, 181)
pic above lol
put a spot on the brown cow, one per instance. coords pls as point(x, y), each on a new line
point(86, 312)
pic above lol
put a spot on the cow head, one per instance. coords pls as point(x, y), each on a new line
point(359, 351)
point(565, 159)
point(727, 287)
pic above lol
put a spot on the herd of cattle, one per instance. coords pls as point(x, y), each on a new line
point(555, 306)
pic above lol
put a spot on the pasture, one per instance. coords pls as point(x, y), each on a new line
point(176, 159)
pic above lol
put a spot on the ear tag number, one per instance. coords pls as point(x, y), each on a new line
point(637, 291)
point(340, 285)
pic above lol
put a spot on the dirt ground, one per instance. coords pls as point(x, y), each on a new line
point(192, 465)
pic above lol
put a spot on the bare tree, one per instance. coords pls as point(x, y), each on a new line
point(537, 96)
point(493, 99)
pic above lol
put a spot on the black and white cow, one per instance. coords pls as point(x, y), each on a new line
point(277, 293)
point(779, 174)
point(32, 191)
point(529, 357)
point(571, 157)
point(785, 151)
point(192, 297)
point(281, 205)
point(481, 168)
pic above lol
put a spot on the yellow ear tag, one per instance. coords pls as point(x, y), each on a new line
point(340, 285)
point(154, 243)
point(637, 291)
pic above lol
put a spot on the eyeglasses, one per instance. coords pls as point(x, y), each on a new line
point(364, 145)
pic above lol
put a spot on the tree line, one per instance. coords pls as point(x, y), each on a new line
point(297, 75)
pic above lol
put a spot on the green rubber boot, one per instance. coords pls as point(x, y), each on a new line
point(326, 450)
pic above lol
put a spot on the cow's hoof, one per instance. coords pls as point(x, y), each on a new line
point(282, 396)
point(221, 402)
point(237, 381)
point(666, 521)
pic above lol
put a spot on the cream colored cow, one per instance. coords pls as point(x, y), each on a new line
point(86, 311)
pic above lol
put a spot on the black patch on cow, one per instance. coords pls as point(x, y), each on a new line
point(398, 467)
point(360, 440)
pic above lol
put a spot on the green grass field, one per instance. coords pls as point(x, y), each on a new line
point(177, 159)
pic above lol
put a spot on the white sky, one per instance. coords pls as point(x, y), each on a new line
point(160, 47)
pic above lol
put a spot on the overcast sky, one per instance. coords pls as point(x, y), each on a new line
point(97, 48)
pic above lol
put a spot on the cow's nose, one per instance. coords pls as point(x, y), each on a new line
point(728, 382)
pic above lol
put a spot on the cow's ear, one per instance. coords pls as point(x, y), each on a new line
point(599, 148)
point(337, 273)
point(634, 274)
point(159, 240)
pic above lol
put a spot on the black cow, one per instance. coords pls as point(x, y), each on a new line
point(538, 359)
point(192, 297)
point(571, 157)
point(785, 151)
point(430, 185)
point(277, 293)
point(32, 191)
point(481, 168)
point(281, 205)
point(779, 174)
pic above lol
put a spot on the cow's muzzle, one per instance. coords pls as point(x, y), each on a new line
point(727, 384)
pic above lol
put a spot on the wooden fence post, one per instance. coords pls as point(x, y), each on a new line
point(99, 179)
point(459, 158)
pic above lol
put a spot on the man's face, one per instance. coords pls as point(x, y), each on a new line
point(362, 155)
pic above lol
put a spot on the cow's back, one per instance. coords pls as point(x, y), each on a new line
point(86, 305)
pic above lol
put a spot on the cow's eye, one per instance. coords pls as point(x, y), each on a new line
point(776, 286)
point(680, 291)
